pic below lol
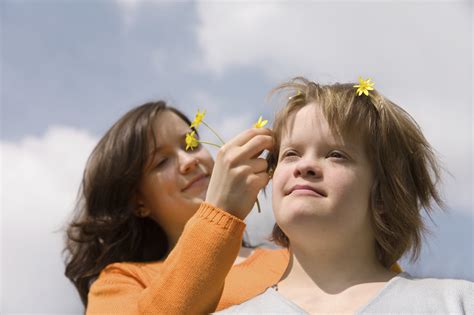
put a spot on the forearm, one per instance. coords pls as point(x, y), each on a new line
point(190, 280)
point(193, 275)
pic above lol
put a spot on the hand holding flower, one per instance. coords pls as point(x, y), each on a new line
point(239, 174)
point(192, 142)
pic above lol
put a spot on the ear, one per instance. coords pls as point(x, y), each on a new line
point(376, 200)
point(140, 210)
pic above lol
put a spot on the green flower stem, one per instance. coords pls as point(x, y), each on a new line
point(222, 141)
point(218, 146)
point(213, 144)
point(258, 206)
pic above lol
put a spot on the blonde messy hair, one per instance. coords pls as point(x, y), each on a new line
point(405, 167)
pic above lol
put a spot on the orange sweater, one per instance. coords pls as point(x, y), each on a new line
point(197, 277)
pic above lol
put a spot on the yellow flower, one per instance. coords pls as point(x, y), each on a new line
point(260, 123)
point(298, 93)
point(198, 119)
point(191, 141)
point(364, 86)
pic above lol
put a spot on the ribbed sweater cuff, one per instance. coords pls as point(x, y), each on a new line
point(220, 218)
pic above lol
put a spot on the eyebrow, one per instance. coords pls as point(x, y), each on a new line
point(350, 147)
point(182, 138)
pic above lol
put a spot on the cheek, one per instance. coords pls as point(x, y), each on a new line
point(280, 177)
point(206, 159)
point(350, 187)
point(164, 182)
point(162, 192)
point(341, 179)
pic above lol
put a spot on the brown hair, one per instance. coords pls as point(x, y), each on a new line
point(105, 229)
point(405, 167)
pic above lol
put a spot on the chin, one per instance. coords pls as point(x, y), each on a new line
point(296, 211)
point(192, 205)
point(202, 196)
point(197, 201)
point(291, 216)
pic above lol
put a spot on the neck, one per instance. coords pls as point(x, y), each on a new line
point(332, 268)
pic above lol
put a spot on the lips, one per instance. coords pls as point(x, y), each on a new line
point(307, 188)
point(193, 181)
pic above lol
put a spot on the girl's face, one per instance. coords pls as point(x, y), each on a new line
point(321, 181)
point(176, 180)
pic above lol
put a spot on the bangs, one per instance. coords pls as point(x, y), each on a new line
point(348, 115)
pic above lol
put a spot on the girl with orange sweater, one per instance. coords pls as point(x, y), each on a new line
point(155, 233)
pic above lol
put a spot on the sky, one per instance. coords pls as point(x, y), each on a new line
point(70, 69)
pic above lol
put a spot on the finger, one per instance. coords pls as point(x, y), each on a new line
point(258, 165)
point(248, 134)
point(255, 146)
point(259, 180)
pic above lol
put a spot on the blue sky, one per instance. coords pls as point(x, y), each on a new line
point(69, 69)
point(81, 64)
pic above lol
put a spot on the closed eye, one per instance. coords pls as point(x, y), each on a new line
point(161, 162)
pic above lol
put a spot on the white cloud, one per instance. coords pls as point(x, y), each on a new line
point(417, 52)
point(40, 180)
point(411, 49)
point(128, 9)
point(327, 40)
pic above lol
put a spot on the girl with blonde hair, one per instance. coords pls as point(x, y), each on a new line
point(352, 174)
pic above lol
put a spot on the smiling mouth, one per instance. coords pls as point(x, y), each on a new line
point(195, 182)
point(306, 190)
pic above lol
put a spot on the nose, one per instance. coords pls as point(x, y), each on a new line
point(307, 169)
point(187, 162)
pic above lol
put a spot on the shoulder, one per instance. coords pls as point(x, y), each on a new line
point(406, 293)
point(263, 268)
point(128, 271)
point(452, 294)
point(436, 285)
point(268, 264)
point(129, 267)
point(271, 254)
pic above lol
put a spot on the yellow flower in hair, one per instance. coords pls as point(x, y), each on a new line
point(198, 119)
point(364, 86)
point(191, 141)
point(260, 123)
point(298, 93)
